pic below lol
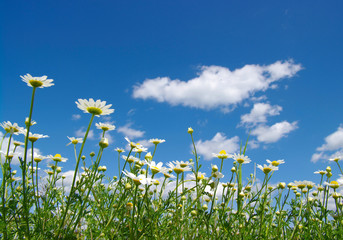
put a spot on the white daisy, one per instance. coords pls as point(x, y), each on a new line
point(156, 141)
point(267, 168)
point(105, 126)
point(132, 144)
point(222, 155)
point(12, 128)
point(240, 158)
point(57, 158)
point(97, 107)
point(335, 159)
point(178, 168)
point(138, 180)
point(39, 82)
point(276, 163)
point(35, 136)
point(155, 168)
point(74, 140)
point(119, 150)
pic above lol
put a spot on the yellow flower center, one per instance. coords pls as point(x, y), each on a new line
point(75, 141)
point(240, 160)
point(57, 158)
point(266, 170)
point(35, 83)
point(37, 160)
point(155, 170)
point(275, 163)
point(137, 181)
point(33, 139)
point(183, 165)
point(301, 186)
point(178, 170)
point(200, 176)
point(222, 152)
point(94, 110)
point(334, 184)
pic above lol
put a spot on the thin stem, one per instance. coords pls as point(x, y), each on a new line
point(75, 173)
point(26, 210)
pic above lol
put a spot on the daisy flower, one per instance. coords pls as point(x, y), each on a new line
point(74, 140)
point(130, 159)
point(275, 163)
point(39, 82)
point(156, 141)
point(167, 172)
point(35, 136)
point(97, 107)
point(139, 148)
point(33, 122)
point(12, 128)
point(332, 184)
point(17, 143)
point(335, 159)
point(240, 158)
point(132, 144)
point(178, 167)
point(38, 158)
point(57, 158)
point(303, 184)
point(221, 155)
point(105, 126)
point(183, 164)
point(155, 168)
point(321, 172)
point(267, 168)
point(217, 175)
point(137, 180)
point(119, 150)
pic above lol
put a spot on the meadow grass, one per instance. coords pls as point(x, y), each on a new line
point(147, 200)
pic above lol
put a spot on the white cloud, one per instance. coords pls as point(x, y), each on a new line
point(216, 144)
point(75, 116)
point(81, 133)
point(334, 141)
point(216, 87)
point(19, 152)
point(332, 147)
point(259, 114)
point(130, 132)
point(270, 134)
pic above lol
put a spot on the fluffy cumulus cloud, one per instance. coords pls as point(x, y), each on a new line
point(332, 146)
point(130, 132)
point(259, 114)
point(216, 144)
point(271, 134)
point(216, 86)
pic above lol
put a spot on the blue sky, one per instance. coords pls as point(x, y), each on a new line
point(221, 67)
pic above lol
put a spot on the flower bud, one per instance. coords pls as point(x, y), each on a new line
point(103, 143)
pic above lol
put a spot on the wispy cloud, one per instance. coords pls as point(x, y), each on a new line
point(216, 86)
point(216, 144)
point(75, 117)
point(81, 133)
point(130, 132)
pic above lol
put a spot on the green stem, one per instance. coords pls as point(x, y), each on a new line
point(75, 173)
point(26, 210)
